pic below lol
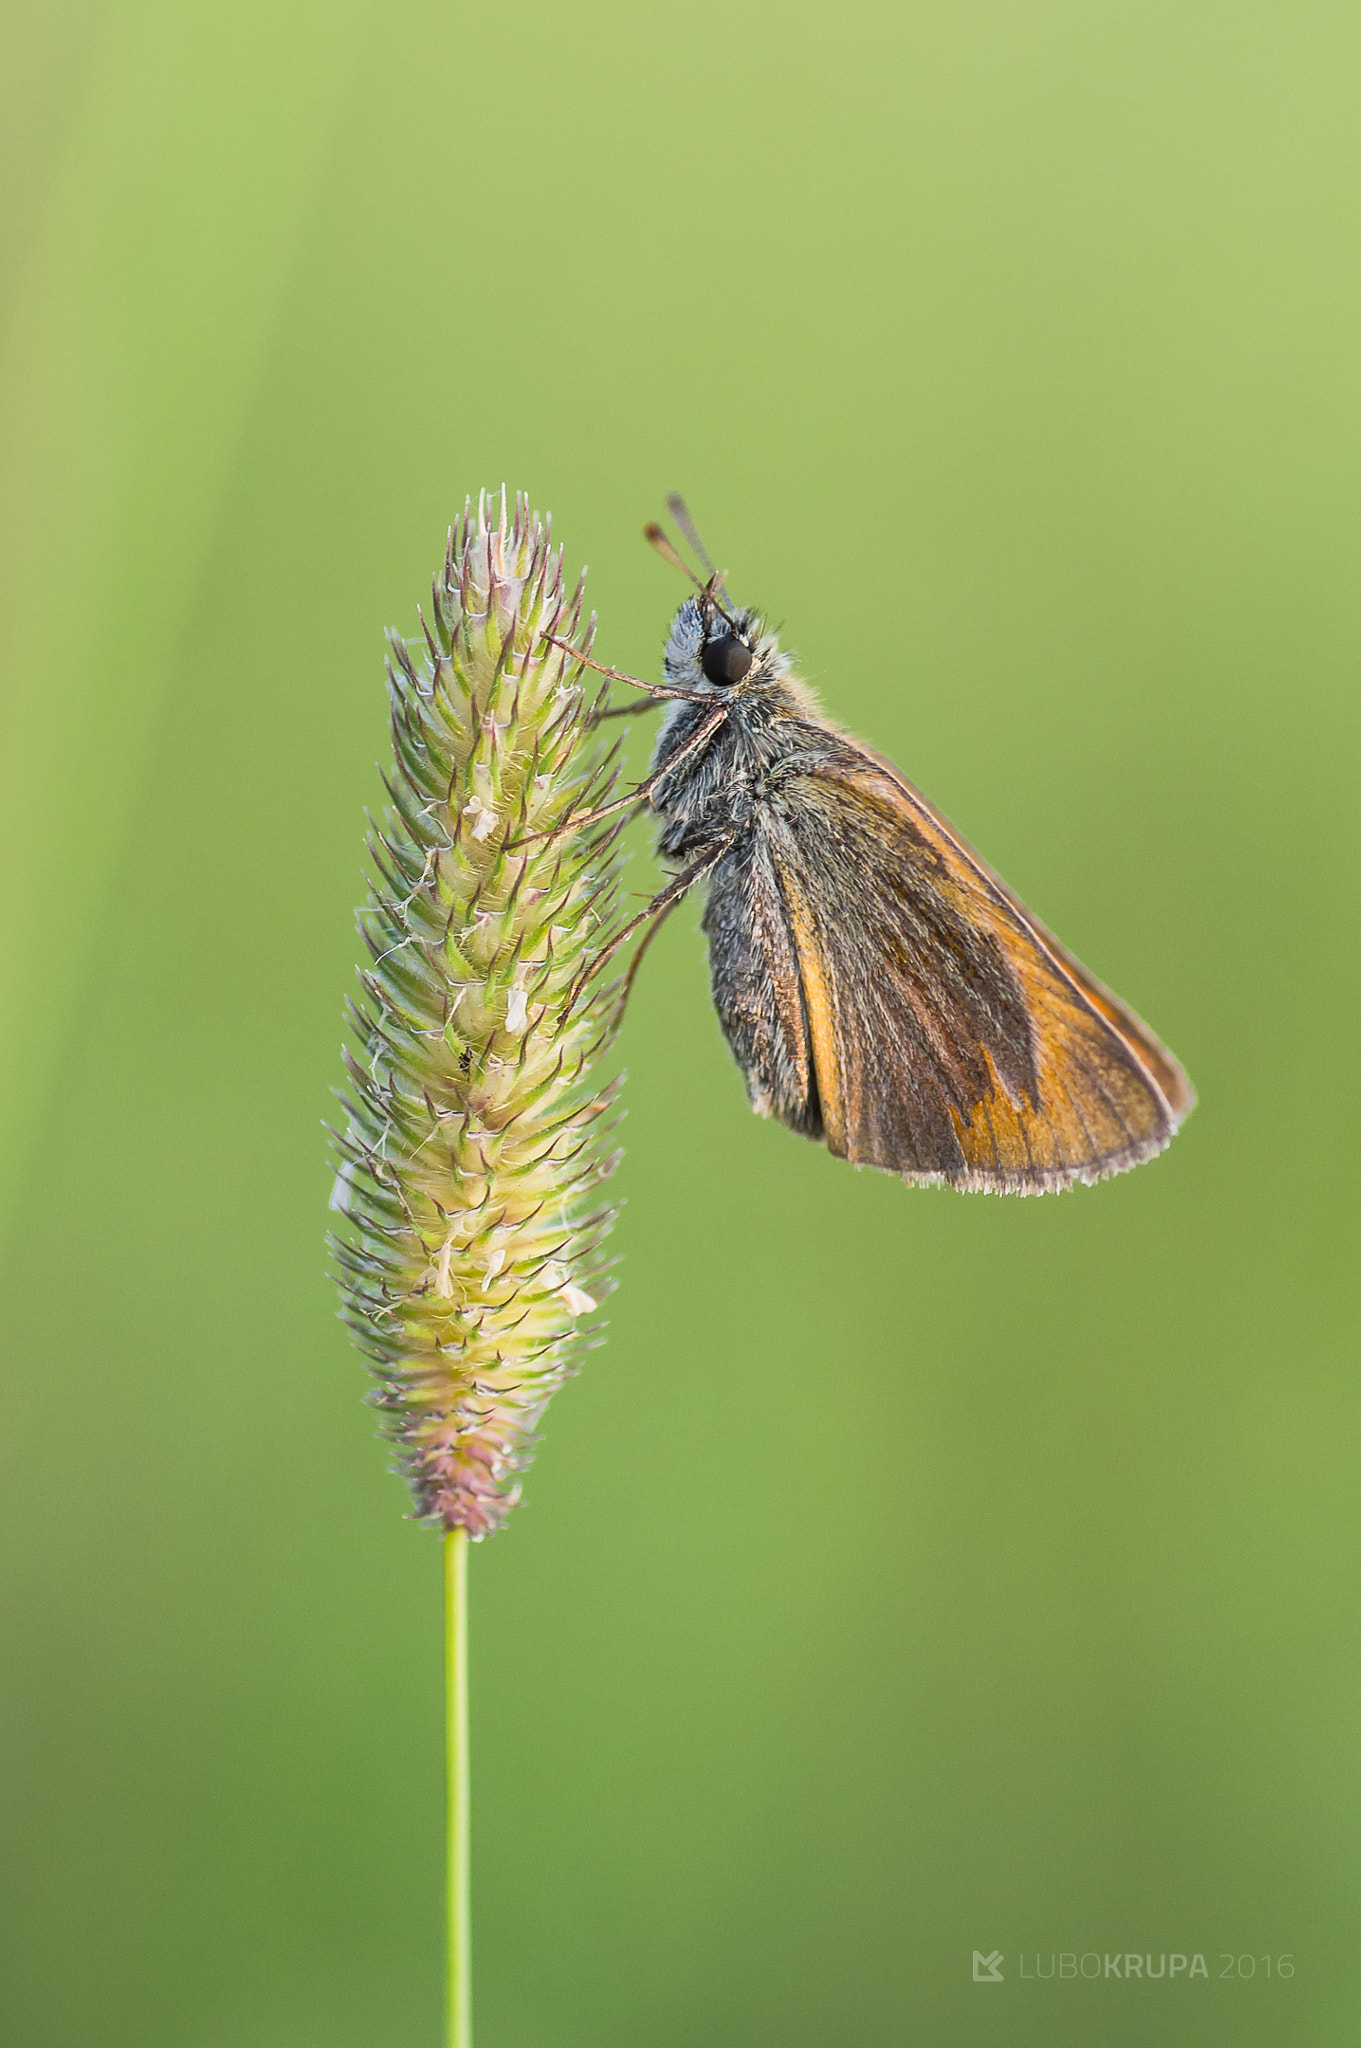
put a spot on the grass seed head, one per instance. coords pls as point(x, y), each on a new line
point(470, 1254)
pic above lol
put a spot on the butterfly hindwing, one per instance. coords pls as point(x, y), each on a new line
point(758, 991)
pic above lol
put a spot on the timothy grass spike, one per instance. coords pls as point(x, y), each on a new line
point(470, 1262)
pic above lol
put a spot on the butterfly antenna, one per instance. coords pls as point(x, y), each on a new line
point(658, 538)
point(680, 512)
point(667, 550)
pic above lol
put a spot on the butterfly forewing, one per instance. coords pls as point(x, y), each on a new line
point(943, 1034)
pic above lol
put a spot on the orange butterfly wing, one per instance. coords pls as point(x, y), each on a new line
point(951, 1037)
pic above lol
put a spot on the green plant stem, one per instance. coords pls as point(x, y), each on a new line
point(459, 2003)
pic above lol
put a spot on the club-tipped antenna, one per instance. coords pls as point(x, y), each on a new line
point(680, 512)
point(657, 537)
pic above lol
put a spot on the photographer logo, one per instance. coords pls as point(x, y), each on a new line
point(1184, 1965)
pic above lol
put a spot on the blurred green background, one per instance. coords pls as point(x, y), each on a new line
point(910, 1573)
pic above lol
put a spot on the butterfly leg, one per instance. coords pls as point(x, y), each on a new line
point(643, 790)
point(655, 913)
point(617, 675)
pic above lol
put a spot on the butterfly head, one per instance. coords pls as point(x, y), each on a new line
point(718, 648)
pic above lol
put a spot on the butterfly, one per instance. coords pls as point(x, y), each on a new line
point(881, 989)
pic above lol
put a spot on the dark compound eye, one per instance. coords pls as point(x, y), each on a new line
point(726, 660)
